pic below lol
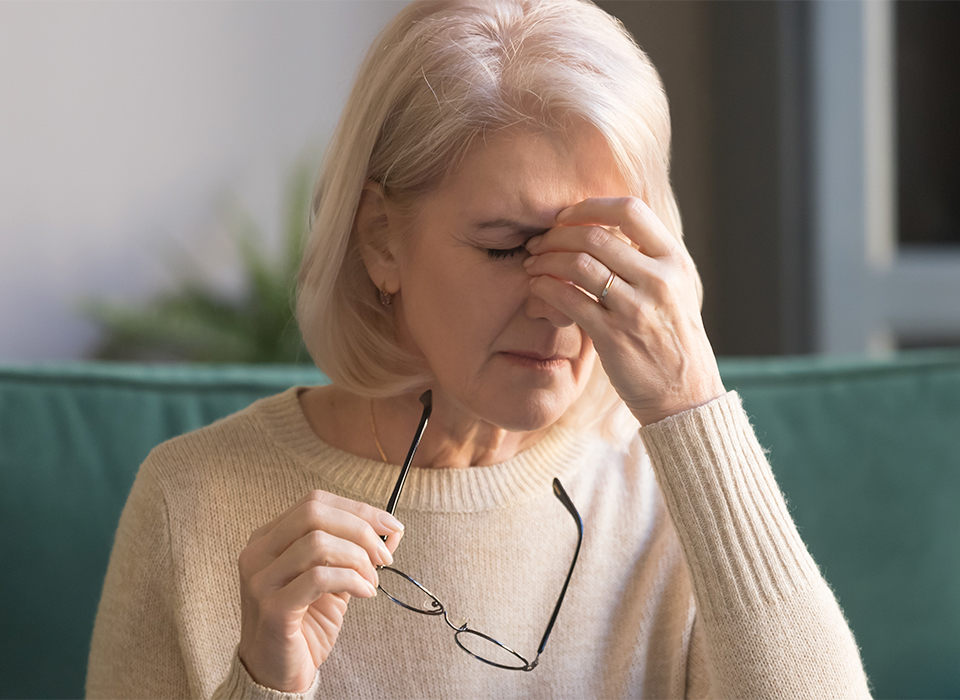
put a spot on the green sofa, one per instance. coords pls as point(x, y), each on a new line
point(867, 452)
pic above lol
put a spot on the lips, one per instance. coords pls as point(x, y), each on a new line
point(539, 357)
point(553, 348)
point(538, 361)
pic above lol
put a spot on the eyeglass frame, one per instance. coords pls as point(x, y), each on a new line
point(437, 607)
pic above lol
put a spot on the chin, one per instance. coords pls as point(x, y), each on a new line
point(534, 410)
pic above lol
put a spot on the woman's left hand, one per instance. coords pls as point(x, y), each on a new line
point(647, 330)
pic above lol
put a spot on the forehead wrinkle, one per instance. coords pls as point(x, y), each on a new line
point(521, 180)
point(520, 227)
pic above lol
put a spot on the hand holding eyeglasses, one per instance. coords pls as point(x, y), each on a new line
point(408, 593)
point(297, 574)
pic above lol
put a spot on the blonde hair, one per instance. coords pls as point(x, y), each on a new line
point(440, 76)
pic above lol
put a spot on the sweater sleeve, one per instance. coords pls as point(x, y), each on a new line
point(239, 684)
point(770, 625)
point(134, 652)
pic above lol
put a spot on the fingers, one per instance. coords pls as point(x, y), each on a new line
point(393, 540)
point(586, 256)
point(356, 522)
point(318, 580)
point(583, 310)
point(632, 216)
point(297, 574)
point(571, 264)
point(596, 238)
point(585, 275)
point(315, 564)
point(321, 531)
point(318, 548)
point(376, 517)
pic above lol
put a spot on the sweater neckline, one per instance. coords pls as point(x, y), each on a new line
point(528, 475)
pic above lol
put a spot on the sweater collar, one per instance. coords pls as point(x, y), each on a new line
point(528, 475)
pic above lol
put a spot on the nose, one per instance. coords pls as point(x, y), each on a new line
point(535, 308)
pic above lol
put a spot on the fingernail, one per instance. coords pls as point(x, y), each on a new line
point(390, 522)
point(564, 215)
point(385, 557)
point(373, 589)
point(529, 261)
point(534, 242)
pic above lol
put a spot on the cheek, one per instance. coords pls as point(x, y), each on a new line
point(586, 359)
point(459, 310)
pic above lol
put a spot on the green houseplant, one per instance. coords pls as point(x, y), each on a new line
point(196, 322)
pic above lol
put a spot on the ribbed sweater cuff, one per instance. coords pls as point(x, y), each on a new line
point(239, 684)
point(740, 542)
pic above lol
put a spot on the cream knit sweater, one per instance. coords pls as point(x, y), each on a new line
point(692, 580)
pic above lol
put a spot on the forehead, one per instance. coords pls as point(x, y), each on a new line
point(533, 173)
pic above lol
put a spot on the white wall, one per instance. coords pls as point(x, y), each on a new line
point(124, 127)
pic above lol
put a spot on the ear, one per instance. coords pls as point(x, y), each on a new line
point(372, 226)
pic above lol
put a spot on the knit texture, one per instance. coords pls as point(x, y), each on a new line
point(692, 580)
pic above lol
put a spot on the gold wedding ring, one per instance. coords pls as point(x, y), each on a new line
point(606, 287)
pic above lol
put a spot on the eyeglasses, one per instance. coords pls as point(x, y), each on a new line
point(409, 593)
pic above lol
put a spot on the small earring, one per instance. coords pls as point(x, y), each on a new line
point(386, 298)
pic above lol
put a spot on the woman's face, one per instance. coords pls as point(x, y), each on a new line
point(500, 354)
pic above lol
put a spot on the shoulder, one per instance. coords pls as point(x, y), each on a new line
point(248, 462)
point(237, 438)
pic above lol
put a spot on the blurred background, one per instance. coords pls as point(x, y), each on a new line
point(154, 158)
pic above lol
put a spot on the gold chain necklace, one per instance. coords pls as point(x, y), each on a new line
point(373, 428)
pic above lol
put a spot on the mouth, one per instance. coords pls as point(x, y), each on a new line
point(534, 360)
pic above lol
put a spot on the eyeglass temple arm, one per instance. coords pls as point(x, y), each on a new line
point(426, 398)
point(568, 504)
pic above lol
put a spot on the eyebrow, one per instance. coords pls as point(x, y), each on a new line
point(525, 230)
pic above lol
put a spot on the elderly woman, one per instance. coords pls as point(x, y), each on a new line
point(494, 223)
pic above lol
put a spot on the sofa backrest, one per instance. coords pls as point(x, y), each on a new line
point(868, 456)
point(71, 440)
point(867, 452)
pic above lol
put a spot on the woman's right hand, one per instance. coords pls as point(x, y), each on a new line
point(297, 574)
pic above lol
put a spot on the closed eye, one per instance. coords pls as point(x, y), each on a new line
point(500, 253)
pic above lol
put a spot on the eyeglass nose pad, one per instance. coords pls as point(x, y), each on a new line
point(459, 622)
